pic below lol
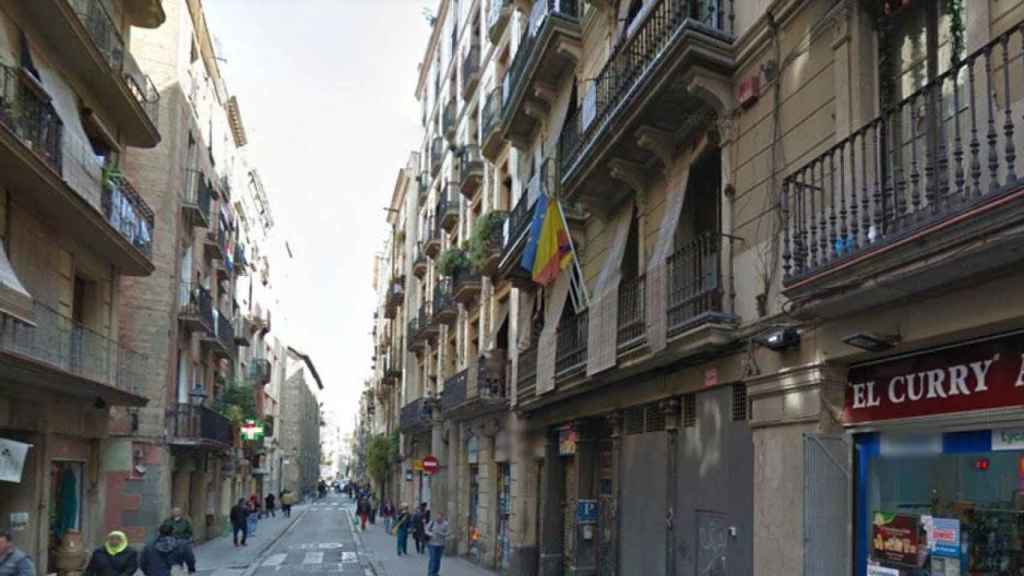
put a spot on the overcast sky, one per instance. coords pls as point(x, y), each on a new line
point(326, 89)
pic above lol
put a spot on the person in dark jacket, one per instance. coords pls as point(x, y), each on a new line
point(165, 553)
point(14, 562)
point(239, 520)
point(114, 558)
point(181, 526)
point(419, 528)
point(271, 504)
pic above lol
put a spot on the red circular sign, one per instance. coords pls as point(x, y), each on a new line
point(430, 465)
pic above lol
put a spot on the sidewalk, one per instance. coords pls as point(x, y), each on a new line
point(385, 560)
point(220, 555)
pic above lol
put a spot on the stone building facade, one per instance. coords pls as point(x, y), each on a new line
point(301, 419)
point(765, 200)
point(75, 223)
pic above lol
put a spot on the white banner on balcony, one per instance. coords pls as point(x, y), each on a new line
point(589, 108)
point(12, 460)
point(602, 341)
point(657, 268)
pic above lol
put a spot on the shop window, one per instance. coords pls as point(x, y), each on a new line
point(689, 410)
point(931, 504)
point(739, 402)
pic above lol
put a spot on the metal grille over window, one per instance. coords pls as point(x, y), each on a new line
point(739, 402)
point(635, 420)
point(689, 411)
point(655, 418)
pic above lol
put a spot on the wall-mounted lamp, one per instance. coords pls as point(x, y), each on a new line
point(779, 339)
point(872, 341)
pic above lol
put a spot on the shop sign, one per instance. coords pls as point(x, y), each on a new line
point(943, 536)
point(12, 460)
point(977, 376)
point(1011, 439)
point(896, 539)
point(566, 442)
point(19, 521)
point(876, 570)
point(418, 465)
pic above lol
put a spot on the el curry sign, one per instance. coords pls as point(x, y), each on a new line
point(976, 376)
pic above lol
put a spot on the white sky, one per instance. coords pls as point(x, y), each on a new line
point(326, 89)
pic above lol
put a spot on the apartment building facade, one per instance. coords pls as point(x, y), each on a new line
point(301, 420)
point(791, 224)
point(75, 224)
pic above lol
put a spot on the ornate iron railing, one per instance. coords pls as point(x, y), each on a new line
point(571, 347)
point(196, 423)
point(197, 193)
point(259, 370)
point(448, 118)
point(491, 115)
point(195, 301)
point(540, 14)
point(943, 151)
point(632, 313)
point(527, 376)
point(470, 69)
point(436, 158)
point(454, 393)
point(62, 343)
point(415, 416)
point(33, 120)
point(632, 64)
point(128, 213)
point(694, 281)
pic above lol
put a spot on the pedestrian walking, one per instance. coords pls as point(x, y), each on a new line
point(114, 558)
point(419, 528)
point(372, 503)
point(181, 526)
point(402, 523)
point(363, 509)
point(239, 519)
point(166, 554)
point(271, 502)
point(14, 562)
point(287, 500)
point(437, 538)
point(387, 511)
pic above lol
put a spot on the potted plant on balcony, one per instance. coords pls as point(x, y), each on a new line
point(484, 241)
point(452, 261)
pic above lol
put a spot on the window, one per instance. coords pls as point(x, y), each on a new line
point(690, 410)
point(739, 402)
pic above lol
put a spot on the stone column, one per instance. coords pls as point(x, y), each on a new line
point(585, 558)
point(438, 483)
point(454, 472)
point(550, 537)
point(670, 408)
point(522, 522)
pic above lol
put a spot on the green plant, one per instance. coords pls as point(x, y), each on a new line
point(377, 451)
point(394, 448)
point(482, 236)
point(453, 260)
point(237, 403)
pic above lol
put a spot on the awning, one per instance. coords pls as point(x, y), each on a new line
point(15, 301)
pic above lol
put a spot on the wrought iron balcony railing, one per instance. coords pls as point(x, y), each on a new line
point(633, 64)
point(454, 393)
point(491, 120)
point(571, 351)
point(445, 308)
point(416, 416)
point(694, 282)
point(448, 119)
point(31, 118)
point(470, 70)
point(937, 159)
point(259, 371)
point(196, 198)
point(471, 170)
point(128, 213)
point(446, 212)
point(196, 424)
point(632, 327)
point(540, 13)
point(498, 15)
point(195, 307)
point(437, 148)
point(63, 344)
point(526, 379)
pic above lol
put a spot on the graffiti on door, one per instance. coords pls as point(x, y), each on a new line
point(712, 543)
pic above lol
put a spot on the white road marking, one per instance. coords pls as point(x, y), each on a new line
point(313, 558)
point(275, 560)
point(349, 558)
point(329, 545)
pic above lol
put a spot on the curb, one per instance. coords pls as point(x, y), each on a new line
point(372, 566)
point(249, 570)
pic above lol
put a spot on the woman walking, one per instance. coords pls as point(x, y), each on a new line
point(402, 522)
point(114, 558)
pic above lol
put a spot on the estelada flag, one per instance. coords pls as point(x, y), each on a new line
point(548, 250)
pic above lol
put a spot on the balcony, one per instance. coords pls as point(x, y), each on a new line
point(146, 13)
point(63, 356)
point(498, 16)
point(259, 371)
point(195, 308)
point(429, 326)
point(695, 285)
point(571, 345)
point(222, 340)
point(412, 335)
point(90, 46)
point(243, 329)
point(632, 315)
point(526, 381)
point(515, 231)
point(927, 195)
point(471, 170)
point(491, 227)
point(196, 199)
point(493, 136)
point(394, 299)
point(432, 244)
point(43, 169)
point(241, 262)
point(547, 51)
point(470, 71)
point(419, 264)
point(416, 416)
point(478, 390)
point(466, 284)
point(446, 311)
point(199, 426)
point(634, 109)
point(392, 369)
point(446, 212)
point(449, 120)
point(216, 241)
point(437, 149)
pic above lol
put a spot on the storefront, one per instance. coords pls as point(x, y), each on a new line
point(939, 461)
